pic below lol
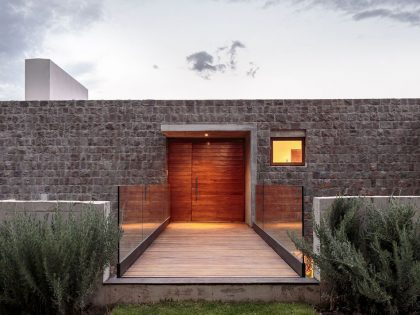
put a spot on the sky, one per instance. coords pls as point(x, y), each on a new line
point(217, 49)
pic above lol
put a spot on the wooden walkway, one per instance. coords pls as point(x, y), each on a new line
point(209, 250)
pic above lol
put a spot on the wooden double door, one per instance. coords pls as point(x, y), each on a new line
point(207, 179)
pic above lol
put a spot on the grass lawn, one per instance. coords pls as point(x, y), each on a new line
point(214, 308)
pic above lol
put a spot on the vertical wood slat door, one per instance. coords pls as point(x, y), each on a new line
point(215, 189)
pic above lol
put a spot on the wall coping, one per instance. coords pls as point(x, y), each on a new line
point(55, 201)
point(365, 197)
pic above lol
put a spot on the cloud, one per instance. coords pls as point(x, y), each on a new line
point(204, 62)
point(403, 11)
point(371, 13)
point(269, 3)
point(233, 52)
point(9, 91)
point(201, 61)
point(401, 16)
point(253, 68)
point(81, 68)
point(24, 24)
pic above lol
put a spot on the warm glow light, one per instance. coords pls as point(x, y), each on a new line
point(287, 151)
point(206, 135)
point(309, 267)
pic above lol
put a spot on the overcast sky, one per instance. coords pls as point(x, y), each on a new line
point(189, 49)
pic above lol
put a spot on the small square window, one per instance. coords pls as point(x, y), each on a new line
point(288, 151)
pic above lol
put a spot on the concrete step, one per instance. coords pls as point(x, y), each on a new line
point(153, 290)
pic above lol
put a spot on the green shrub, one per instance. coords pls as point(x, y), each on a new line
point(53, 265)
point(369, 258)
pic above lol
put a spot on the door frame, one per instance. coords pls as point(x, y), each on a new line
point(247, 132)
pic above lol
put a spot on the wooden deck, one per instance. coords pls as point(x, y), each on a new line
point(209, 250)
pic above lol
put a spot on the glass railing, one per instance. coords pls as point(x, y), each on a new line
point(279, 211)
point(142, 209)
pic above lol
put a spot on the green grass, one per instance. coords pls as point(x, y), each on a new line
point(214, 308)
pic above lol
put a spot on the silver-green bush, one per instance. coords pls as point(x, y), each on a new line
point(53, 265)
point(369, 258)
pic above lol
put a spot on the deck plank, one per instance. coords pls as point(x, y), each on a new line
point(209, 250)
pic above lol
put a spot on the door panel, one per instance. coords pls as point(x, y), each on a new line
point(218, 166)
point(207, 180)
point(179, 178)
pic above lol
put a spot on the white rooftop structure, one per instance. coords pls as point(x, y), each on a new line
point(44, 81)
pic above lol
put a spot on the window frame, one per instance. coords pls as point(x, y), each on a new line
point(272, 139)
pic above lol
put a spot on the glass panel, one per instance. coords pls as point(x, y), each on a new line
point(142, 209)
point(279, 211)
point(287, 151)
point(131, 221)
point(154, 208)
point(283, 214)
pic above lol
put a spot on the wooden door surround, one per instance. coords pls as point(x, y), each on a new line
point(207, 180)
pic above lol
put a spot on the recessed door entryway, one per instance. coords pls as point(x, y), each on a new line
point(207, 180)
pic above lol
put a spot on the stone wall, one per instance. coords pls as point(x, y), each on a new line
point(81, 150)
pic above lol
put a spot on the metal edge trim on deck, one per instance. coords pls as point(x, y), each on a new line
point(123, 266)
point(291, 260)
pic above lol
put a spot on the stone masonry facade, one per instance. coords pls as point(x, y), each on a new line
point(81, 150)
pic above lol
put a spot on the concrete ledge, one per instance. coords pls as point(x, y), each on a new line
point(149, 293)
point(287, 133)
point(208, 127)
point(45, 206)
point(41, 208)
